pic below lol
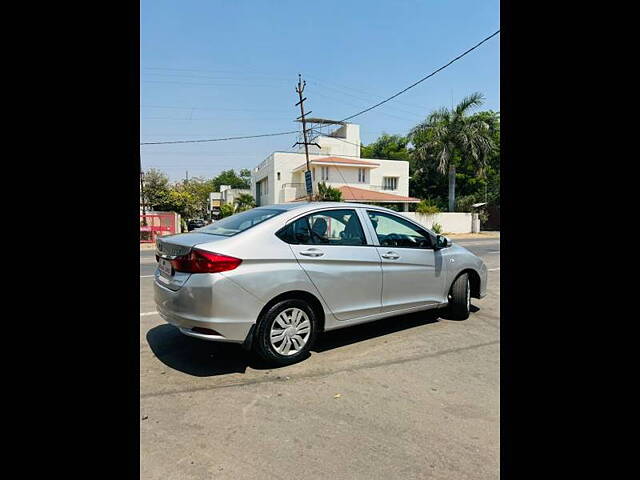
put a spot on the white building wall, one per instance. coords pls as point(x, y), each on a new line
point(285, 163)
point(229, 195)
point(452, 222)
point(391, 168)
point(260, 173)
point(333, 146)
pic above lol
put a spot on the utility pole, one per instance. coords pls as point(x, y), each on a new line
point(144, 212)
point(307, 174)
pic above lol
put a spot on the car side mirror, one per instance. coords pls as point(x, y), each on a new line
point(442, 242)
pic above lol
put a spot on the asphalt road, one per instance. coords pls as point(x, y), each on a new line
point(416, 396)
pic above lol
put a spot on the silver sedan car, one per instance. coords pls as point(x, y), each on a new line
point(273, 278)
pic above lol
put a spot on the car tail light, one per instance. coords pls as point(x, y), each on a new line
point(199, 261)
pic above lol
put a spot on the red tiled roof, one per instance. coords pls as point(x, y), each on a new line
point(354, 194)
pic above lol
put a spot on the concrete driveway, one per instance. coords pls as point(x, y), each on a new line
point(415, 396)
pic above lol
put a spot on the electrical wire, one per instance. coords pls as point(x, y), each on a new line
point(243, 137)
point(422, 79)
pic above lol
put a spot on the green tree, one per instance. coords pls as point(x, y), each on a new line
point(327, 193)
point(244, 201)
point(156, 188)
point(387, 147)
point(450, 138)
point(179, 201)
point(230, 177)
point(199, 190)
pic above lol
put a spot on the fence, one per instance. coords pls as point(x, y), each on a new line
point(153, 225)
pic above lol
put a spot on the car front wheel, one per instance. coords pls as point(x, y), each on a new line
point(286, 332)
point(460, 298)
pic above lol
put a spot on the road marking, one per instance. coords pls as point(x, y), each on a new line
point(494, 251)
point(494, 269)
point(146, 276)
point(148, 313)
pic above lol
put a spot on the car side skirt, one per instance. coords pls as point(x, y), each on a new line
point(380, 316)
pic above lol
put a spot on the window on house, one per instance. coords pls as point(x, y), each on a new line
point(278, 176)
point(324, 173)
point(313, 172)
point(361, 175)
point(389, 183)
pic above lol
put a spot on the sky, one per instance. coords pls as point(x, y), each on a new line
point(220, 68)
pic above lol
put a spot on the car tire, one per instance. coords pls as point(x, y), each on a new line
point(460, 298)
point(289, 322)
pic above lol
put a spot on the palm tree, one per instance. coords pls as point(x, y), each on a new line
point(244, 201)
point(446, 136)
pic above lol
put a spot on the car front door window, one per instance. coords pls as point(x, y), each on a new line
point(393, 231)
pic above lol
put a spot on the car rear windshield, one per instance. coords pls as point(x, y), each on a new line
point(240, 222)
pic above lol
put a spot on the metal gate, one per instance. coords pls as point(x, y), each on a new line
point(154, 225)
point(493, 221)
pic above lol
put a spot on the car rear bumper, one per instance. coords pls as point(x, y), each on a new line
point(208, 301)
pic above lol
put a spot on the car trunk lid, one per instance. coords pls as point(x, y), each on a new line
point(172, 246)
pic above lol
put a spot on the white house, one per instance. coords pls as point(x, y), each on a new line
point(229, 195)
point(280, 177)
point(226, 195)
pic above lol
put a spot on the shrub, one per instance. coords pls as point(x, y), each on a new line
point(427, 207)
point(226, 210)
point(437, 228)
point(463, 204)
point(328, 194)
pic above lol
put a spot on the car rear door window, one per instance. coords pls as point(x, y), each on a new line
point(329, 227)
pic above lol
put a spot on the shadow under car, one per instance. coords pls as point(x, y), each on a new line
point(205, 359)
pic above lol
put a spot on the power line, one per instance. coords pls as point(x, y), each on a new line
point(362, 99)
point(344, 119)
point(423, 78)
point(214, 109)
point(344, 102)
point(220, 139)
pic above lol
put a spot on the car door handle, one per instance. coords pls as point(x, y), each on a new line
point(390, 255)
point(312, 252)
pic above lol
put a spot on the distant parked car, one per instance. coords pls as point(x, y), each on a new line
point(195, 223)
point(273, 278)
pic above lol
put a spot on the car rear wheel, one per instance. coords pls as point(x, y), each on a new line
point(286, 332)
point(460, 298)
